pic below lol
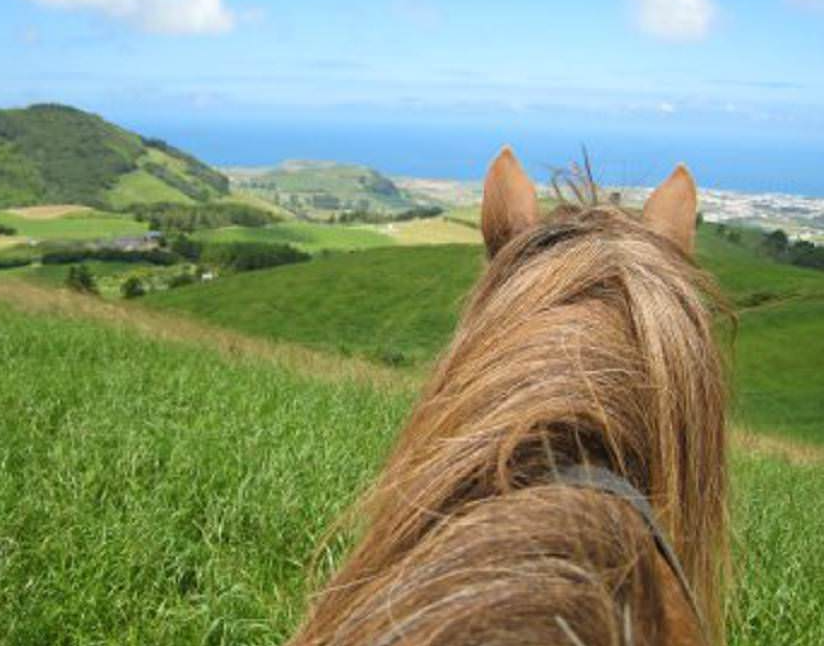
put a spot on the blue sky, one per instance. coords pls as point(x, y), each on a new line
point(744, 64)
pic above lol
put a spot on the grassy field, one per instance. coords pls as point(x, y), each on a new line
point(91, 226)
point(414, 295)
point(139, 187)
point(155, 492)
point(305, 235)
point(50, 211)
point(431, 231)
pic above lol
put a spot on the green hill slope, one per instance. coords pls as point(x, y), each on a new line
point(317, 189)
point(400, 305)
point(53, 154)
point(160, 493)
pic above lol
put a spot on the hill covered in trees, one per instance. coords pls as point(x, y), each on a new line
point(53, 154)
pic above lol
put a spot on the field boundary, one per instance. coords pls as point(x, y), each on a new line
point(29, 298)
point(48, 211)
point(772, 446)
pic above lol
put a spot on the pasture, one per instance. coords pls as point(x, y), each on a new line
point(167, 479)
point(49, 212)
point(307, 236)
point(416, 295)
point(139, 187)
point(90, 226)
point(161, 492)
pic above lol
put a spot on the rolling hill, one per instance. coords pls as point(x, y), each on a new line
point(157, 490)
point(415, 295)
point(316, 189)
point(54, 154)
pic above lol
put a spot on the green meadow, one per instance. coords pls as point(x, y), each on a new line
point(140, 187)
point(160, 492)
point(87, 226)
point(307, 236)
point(176, 492)
point(416, 293)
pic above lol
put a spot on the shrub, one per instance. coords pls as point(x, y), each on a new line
point(7, 231)
point(191, 217)
point(132, 288)
point(188, 188)
point(181, 280)
point(248, 256)
point(109, 254)
point(187, 248)
point(80, 279)
point(776, 243)
point(11, 263)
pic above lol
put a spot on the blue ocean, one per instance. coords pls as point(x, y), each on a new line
point(748, 161)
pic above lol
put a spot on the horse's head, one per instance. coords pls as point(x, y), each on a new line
point(588, 341)
point(510, 205)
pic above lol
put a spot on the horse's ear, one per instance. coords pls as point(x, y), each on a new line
point(672, 209)
point(510, 202)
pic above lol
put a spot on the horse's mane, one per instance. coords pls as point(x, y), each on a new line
point(589, 339)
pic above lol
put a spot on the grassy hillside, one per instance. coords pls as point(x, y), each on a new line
point(319, 189)
point(53, 154)
point(87, 226)
point(156, 493)
point(397, 305)
point(414, 296)
point(308, 236)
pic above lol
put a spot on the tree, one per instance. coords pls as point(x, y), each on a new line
point(132, 288)
point(776, 243)
point(81, 279)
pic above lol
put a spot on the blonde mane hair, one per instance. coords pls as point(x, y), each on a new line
point(588, 340)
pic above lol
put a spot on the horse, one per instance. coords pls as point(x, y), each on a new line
point(562, 478)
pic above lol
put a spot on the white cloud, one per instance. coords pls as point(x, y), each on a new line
point(666, 107)
point(676, 20)
point(160, 16)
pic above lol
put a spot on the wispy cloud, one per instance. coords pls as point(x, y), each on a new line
point(159, 16)
point(676, 20)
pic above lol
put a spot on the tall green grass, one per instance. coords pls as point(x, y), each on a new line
point(152, 493)
point(396, 305)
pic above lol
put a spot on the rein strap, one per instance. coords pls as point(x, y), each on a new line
point(600, 479)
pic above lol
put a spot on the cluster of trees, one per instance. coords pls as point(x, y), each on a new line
point(196, 191)
point(81, 279)
point(71, 255)
point(237, 256)
point(187, 218)
point(218, 181)
point(249, 256)
point(14, 261)
point(800, 252)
